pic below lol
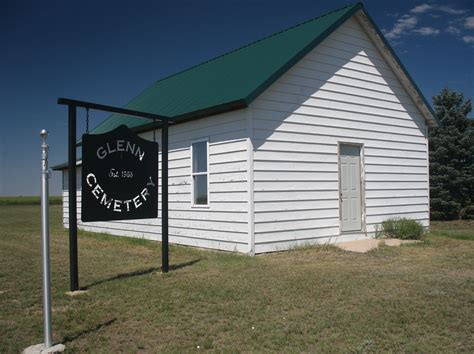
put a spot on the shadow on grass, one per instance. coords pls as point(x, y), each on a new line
point(184, 264)
point(68, 339)
point(140, 272)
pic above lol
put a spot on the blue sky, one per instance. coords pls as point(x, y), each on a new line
point(109, 51)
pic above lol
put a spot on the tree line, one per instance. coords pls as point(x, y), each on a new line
point(451, 149)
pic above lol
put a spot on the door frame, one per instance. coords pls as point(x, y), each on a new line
point(363, 225)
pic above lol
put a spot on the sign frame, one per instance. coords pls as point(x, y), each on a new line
point(72, 145)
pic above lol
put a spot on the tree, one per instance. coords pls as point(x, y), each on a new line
point(451, 157)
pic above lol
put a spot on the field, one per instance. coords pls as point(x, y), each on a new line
point(417, 298)
point(28, 200)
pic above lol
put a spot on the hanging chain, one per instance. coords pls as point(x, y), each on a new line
point(87, 120)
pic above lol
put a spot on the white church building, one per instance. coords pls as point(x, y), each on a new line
point(315, 134)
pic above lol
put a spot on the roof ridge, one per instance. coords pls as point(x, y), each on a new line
point(252, 43)
point(170, 85)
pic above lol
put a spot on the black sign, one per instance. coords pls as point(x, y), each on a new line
point(119, 176)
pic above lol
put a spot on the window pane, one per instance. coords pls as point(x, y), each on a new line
point(200, 190)
point(200, 157)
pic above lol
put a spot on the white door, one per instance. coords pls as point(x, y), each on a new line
point(350, 191)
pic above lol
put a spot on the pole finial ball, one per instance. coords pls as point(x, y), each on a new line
point(44, 133)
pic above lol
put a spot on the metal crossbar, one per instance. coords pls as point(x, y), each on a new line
point(72, 114)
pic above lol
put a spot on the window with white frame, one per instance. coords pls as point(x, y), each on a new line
point(199, 172)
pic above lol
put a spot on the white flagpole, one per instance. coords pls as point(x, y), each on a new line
point(47, 346)
point(48, 342)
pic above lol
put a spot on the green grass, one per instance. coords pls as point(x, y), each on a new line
point(459, 230)
point(28, 200)
point(418, 298)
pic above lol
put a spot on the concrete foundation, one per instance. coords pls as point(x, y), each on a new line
point(363, 246)
point(76, 293)
point(42, 349)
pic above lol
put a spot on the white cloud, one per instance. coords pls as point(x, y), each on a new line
point(453, 30)
point(427, 31)
point(421, 9)
point(468, 39)
point(451, 11)
point(453, 18)
point(403, 25)
point(469, 22)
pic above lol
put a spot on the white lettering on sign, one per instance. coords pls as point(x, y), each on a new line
point(120, 145)
point(97, 190)
point(116, 204)
point(144, 193)
point(106, 202)
point(127, 203)
point(89, 176)
point(101, 153)
point(136, 201)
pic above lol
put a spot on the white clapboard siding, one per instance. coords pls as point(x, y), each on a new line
point(176, 236)
point(374, 138)
point(286, 191)
point(65, 182)
point(297, 148)
point(397, 201)
point(342, 91)
point(278, 207)
point(222, 225)
point(384, 113)
point(265, 197)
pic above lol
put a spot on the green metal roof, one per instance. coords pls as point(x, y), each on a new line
point(230, 81)
point(233, 80)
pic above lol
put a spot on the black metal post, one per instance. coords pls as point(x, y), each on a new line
point(72, 106)
point(73, 268)
point(164, 197)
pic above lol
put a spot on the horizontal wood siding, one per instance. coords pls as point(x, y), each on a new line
point(224, 224)
point(342, 91)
